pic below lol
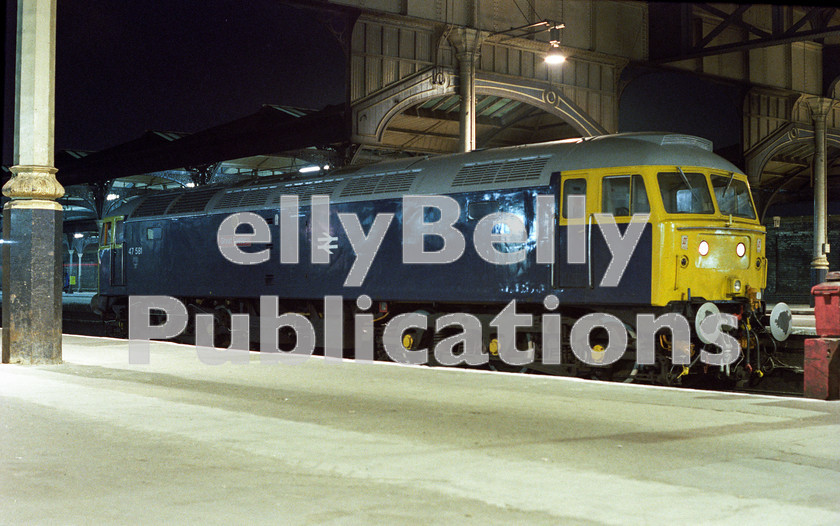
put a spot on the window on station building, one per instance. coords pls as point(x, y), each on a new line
point(624, 195)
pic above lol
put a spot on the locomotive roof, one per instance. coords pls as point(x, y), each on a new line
point(492, 169)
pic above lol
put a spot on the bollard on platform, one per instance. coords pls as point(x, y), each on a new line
point(822, 363)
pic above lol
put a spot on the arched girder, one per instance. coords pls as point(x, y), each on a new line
point(540, 95)
point(524, 114)
point(785, 138)
point(371, 116)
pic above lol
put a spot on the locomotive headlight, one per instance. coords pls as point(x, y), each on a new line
point(703, 248)
point(734, 287)
point(741, 249)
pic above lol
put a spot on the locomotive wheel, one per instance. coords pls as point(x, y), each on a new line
point(221, 326)
point(379, 353)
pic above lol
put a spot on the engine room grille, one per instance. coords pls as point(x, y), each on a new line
point(505, 171)
point(154, 205)
point(192, 201)
point(255, 197)
point(305, 191)
point(380, 184)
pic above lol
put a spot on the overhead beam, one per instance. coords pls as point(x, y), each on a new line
point(791, 160)
point(523, 114)
point(732, 18)
point(451, 116)
point(422, 133)
point(413, 150)
point(737, 21)
point(832, 31)
point(818, 18)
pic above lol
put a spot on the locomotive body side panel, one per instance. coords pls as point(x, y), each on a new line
point(189, 244)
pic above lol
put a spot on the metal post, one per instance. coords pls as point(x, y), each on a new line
point(819, 265)
point(467, 110)
point(79, 279)
point(70, 271)
point(467, 42)
point(32, 220)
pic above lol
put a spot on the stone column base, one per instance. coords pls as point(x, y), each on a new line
point(32, 281)
point(819, 271)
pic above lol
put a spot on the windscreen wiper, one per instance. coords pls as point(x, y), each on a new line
point(685, 180)
point(690, 188)
point(731, 176)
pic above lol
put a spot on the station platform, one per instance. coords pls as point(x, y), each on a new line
point(99, 440)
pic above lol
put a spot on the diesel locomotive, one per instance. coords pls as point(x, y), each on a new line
point(623, 225)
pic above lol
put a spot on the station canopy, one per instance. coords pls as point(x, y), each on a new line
point(432, 126)
point(273, 141)
point(790, 171)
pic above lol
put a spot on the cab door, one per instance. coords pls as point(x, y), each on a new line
point(111, 258)
point(623, 201)
point(571, 267)
point(117, 255)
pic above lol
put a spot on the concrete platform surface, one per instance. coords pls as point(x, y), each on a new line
point(99, 441)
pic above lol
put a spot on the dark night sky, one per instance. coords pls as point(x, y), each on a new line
point(684, 103)
point(180, 65)
point(124, 67)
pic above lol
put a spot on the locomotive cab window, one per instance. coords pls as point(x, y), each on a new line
point(733, 196)
point(624, 195)
point(573, 187)
point(106, 233)
point(685, 193)
point(118, 232)
point(153, 233)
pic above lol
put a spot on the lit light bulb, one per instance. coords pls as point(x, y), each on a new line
point(554, 56)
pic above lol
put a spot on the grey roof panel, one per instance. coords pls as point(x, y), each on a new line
point(498, 168)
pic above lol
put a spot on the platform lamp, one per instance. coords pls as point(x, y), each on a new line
point(554, 55)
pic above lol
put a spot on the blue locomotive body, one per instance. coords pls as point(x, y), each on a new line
point(180, 257)
point(680, 196)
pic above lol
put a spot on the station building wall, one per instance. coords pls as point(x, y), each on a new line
point(790, 248)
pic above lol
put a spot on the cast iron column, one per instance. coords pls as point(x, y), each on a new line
point(467, 42)
point(32, 220)
point(819, 265)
